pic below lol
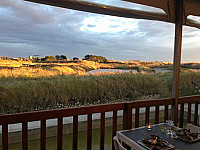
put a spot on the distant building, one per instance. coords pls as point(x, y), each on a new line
point(30, 57)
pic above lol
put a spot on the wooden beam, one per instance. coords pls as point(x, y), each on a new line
point(192, 7)
point(166, 5)
point(192, 23)
point(162, 4)
point(104, 9)
point(177, 57)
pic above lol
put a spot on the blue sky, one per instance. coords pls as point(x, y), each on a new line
point(28, 29)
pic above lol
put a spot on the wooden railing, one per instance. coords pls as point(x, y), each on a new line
point(189, 101)
point(126, 107)
point(146, 104)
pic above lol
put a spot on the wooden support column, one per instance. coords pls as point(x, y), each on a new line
point(177, 57)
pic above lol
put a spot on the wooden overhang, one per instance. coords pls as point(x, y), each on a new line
point(191, 7)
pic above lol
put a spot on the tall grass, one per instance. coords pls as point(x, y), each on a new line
point(190, 84)
point(30, 94)
point(12, 68)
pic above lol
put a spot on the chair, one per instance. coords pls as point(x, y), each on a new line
point(193, 128)
point(117, 144)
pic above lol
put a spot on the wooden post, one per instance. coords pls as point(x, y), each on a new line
point(127, 121)
point(177, 57)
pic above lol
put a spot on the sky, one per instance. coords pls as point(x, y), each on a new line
point(32, 29)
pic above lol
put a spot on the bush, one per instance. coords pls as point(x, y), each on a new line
point(50, 58)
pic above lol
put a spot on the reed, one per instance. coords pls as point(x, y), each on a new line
point(22, 94)
point(29, 94)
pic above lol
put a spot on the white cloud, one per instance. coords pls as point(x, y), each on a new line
point(108, 24)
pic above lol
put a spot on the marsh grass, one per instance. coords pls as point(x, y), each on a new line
point(29, 94)
point(24, 94)
point(18, 68)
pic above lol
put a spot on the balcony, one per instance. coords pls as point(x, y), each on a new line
point(188, 108)
point(175, 12)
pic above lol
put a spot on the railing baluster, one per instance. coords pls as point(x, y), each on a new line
point(137, 116)
point(157, 115)
point(24, 136)
point(196, 112)
point(60, 133)
point(89, 132)
point(43, 135)
point(189, 113)
point(75, 132)
point(114, 127)
point(166, 113)
point(181, 115)
point(5, 136)
point(147, 116)
point(125, 125)
point(102, 134)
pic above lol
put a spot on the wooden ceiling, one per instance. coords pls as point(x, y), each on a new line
point(191, 7)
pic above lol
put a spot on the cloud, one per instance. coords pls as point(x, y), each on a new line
point(27, 29)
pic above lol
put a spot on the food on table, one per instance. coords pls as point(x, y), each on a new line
point(187, 136)
point(155, 143)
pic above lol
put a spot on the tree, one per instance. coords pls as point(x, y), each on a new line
point(75, 59)
point(87, 57)
point(95, 58)
point(63, 56)
point(57, 57)
point(49, 58)
point(60, 57)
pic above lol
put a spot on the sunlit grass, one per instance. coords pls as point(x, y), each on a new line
point(67, 84)
point(19, 68)
point(28, 94)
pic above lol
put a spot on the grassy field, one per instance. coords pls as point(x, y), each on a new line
point(19, 68)
point(29, 94)
point(27, 86)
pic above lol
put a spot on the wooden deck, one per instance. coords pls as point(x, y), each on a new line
point(178, 9)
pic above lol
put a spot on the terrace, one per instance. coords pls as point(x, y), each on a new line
point(181, 109)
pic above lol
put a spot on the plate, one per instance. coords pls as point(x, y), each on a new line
point(189, 141)
point(187, 136)
point(161, 144)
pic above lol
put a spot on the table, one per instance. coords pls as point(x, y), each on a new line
point(130, 137)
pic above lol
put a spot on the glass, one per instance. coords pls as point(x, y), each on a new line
point(170, 131)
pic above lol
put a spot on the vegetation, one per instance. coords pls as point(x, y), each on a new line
point(61, 57)
point(52, 67)
point(18, 68)
point(29, 94)
point(28, 86)
point(95, 58)
point(50, 58)
point(75, 59)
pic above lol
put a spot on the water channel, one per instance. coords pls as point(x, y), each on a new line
point(97, 71)
point(101, 71)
